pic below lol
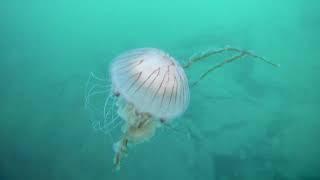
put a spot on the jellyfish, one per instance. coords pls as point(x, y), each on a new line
point(148, 89)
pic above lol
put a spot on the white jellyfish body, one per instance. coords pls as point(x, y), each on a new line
point(150, 86)
point(152, 81)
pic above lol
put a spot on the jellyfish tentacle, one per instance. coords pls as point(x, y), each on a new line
point(252, 55)
point(111, 122)
point(202, 56)
point(105, 107)
point(97, 116)
point(198, 57)
point(241, 54)
point(209, 53)
point(233, 58)
point(93, 93)
point(96, 123)
point(113, 108)
point(94, 76)
point(89, 92)
point(102, 119)
point(111, 126)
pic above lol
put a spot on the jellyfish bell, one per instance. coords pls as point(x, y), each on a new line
point(152, 81)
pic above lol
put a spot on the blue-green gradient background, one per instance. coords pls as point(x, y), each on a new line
point(247, 120)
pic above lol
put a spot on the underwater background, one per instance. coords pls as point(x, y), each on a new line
point(247, 120)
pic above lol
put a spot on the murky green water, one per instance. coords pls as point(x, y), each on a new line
point(247, 120)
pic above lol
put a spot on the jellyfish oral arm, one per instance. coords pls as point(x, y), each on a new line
point(120, 149)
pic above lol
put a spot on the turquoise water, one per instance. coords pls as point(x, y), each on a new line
point(247, 120)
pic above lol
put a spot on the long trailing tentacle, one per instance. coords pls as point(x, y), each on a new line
point(203, 56)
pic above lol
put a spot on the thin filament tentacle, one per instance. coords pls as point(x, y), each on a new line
point(203, 56)
point(233, 58)
point(103, 118)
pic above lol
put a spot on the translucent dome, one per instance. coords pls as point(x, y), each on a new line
point(152, 81)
